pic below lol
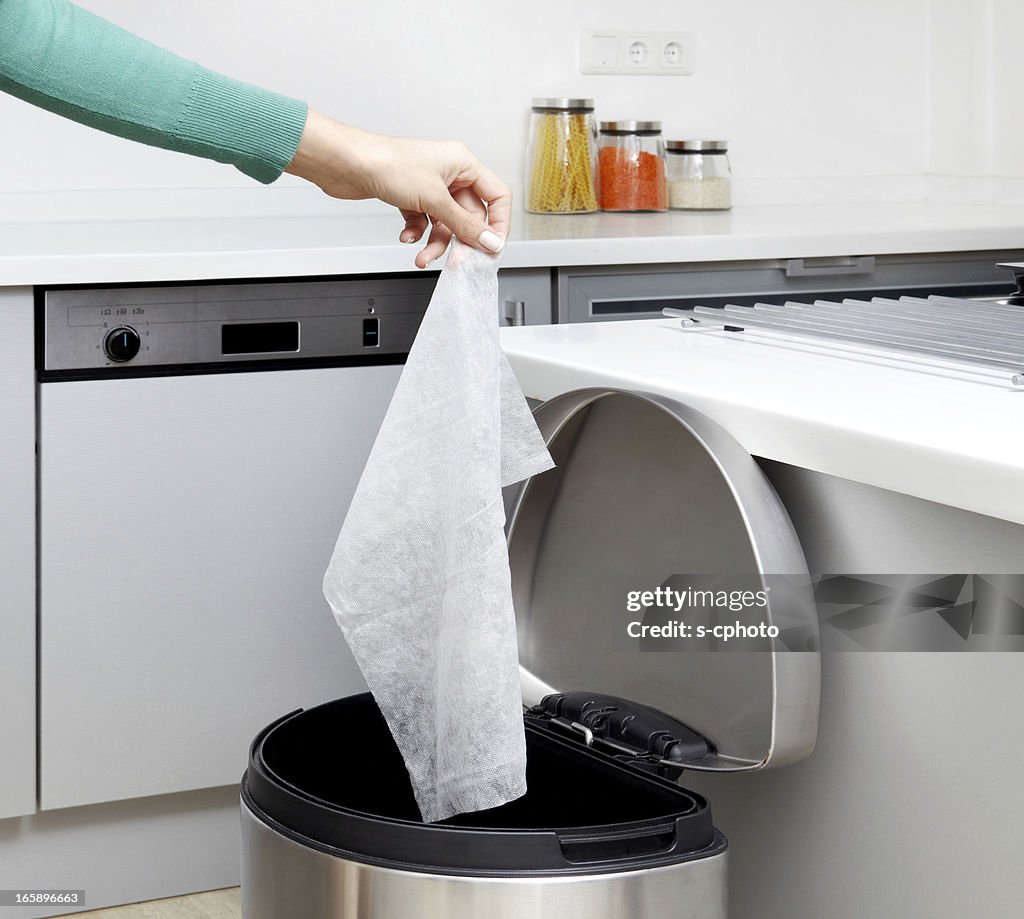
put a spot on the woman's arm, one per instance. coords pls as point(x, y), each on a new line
point(62, 58)
point(419, 177)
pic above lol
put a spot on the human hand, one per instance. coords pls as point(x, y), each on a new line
point(422, 178)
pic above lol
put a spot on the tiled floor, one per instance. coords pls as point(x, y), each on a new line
point(214, 904)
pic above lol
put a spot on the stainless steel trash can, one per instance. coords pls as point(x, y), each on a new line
point(647, 493)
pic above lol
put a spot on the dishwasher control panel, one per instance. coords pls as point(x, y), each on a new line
point(115, 328)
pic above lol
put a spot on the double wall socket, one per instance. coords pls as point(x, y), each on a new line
point(641, 53)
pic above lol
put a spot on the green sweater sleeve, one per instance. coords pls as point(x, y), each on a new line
point(62, 58)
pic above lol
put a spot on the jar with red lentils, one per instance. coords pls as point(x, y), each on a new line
point(631, 167)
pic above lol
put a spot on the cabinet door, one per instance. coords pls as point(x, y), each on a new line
point(185, 527)
point(524, 296)
point(606, 294)
point(17, 554)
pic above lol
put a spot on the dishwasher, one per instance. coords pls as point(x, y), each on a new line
point(198, 446)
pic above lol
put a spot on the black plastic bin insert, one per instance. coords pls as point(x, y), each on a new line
point(331, 777)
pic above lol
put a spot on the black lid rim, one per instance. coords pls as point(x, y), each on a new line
point(695, 802)
point(465, 850)
point(717, 846)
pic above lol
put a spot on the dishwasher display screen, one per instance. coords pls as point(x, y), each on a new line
point(259, 337)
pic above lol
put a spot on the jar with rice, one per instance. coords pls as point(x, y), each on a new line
point(699, 175)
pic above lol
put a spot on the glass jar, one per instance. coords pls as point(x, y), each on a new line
point(699, 175)
point(631, 166)
point(560, 157)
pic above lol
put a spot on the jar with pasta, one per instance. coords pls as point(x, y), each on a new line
point(699, 175)
point(631, 166)
point(560, 157)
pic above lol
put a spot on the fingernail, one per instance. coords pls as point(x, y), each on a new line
point(491, 241)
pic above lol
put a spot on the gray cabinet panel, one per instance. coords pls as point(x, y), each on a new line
point(185, 526)
point(638, 292)
point(17, 554)
point(124, 852)
point(529, 286)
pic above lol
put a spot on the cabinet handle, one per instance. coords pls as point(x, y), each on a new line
point(798, 267)
point(515, 312)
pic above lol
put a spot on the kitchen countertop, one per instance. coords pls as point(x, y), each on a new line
point(933, 433)
point(126, 250)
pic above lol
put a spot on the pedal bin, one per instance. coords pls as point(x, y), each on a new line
point(646, 492)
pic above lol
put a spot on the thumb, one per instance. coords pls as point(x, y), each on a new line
point(466, 225)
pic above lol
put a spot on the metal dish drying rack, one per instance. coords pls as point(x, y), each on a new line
point(984, 338)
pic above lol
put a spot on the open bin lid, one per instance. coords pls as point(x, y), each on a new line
point(648, 493)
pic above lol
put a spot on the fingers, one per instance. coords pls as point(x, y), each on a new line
point(415, 226)
point(466, 199)
point(470, 228)
point(441, 235)
point(498, 196)
point(437, 243)
point(467, 204)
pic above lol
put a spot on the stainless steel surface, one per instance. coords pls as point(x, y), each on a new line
point(282, 879)
point(184, 526)
point(182, 324)
point(515, 312)
point(984, 335)
point(827, 268)
point(647, 492)
point(630, 127)
point(562, 102)
point(697, 146)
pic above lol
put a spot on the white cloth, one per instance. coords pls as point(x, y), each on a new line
point(419, 581)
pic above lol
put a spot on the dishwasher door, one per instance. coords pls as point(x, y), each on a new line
point(185, 523)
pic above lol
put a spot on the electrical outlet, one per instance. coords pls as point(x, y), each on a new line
point(639, 53)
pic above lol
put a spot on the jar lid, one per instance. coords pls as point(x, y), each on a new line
point(562, 104)
point(697, 146)
point(630, 127)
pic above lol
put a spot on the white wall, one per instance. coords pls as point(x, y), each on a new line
point(818, 97)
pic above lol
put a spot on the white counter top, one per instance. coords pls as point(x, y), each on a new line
point(935, 434)
point(80, 252)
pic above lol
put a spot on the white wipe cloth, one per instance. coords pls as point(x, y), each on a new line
point(419, 581)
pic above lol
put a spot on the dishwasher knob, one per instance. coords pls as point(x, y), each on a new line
point(122, 343)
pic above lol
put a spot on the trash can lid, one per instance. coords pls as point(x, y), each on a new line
point(656, 523)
